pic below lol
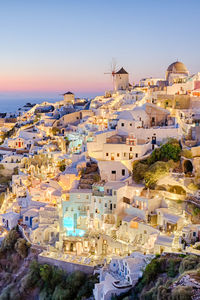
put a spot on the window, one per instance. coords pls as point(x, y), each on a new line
point(131, 148)
point(136, 154)
point(114, 205)
point(78, 196)
point(106, 154)
point(194, 233)
point(130, 124)
point(26, 218)
point(105, 204)
point(145, 232)
point(87, 197)
point(123, 172)
point(117, 154)
point(122, 124)
point(113, 172)
point(115, 193)
point(124, 154)
point(66, 209)
point(99, 201)
point(94, 199)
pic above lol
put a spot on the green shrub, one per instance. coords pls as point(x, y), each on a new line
point(151, 271)
point(139, 170)
point(173, 267)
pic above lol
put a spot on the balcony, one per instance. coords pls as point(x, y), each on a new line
point(98, 193)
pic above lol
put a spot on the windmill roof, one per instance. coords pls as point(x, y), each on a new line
point(68, 93)
point(121, 71)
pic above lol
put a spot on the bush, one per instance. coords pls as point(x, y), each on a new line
point(10, 240)
point(155, 172)
point(62, 167)
point(177, 189)
point(173, 267)
point(21, 247)
point(139, 170)
point(169, 151)
point(186, 153)
point(151, 271)
point(182, 293)
point(189, 263)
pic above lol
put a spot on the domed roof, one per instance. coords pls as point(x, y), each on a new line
point(177, 67)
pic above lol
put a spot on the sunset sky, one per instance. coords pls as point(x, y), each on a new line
point(48, 47)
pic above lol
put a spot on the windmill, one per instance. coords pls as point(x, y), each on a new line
point(113, 70)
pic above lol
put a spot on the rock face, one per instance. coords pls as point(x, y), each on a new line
point(90, 175)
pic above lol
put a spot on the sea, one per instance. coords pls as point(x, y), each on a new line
point(12, 105)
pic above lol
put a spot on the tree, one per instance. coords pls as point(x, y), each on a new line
point(155, 172)
point(168, 151)
point(139, 170)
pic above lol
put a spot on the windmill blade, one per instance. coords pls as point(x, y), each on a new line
point(114, 66)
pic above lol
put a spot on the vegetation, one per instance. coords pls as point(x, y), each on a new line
point(155, 172)
point(159, 276)
point(158, 164)
point(186, 153)
point(62, 165)
point(24, 279)
point(177, 189)
point(53, 283)
point(55, 131)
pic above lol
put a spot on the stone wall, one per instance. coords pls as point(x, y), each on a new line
point(69, 267)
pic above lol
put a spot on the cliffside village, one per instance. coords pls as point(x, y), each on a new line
point(72, 187)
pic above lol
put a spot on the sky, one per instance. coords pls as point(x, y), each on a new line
point(48, 47)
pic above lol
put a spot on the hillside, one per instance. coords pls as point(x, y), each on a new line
point(168, 277)
point(22, 277)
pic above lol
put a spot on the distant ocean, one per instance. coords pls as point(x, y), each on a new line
point(11, 106)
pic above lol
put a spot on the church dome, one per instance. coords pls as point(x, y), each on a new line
point(177, 67)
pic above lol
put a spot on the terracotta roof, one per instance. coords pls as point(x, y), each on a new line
point(121, 71)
